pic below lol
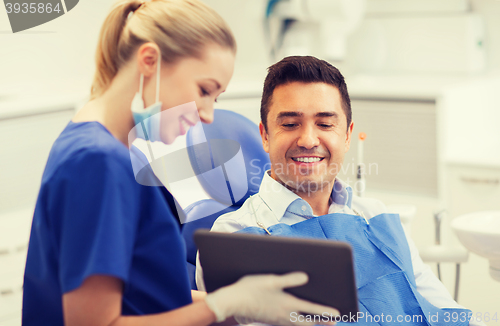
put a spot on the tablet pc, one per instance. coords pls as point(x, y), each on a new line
point(226, 257)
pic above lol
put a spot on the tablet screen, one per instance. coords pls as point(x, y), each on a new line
point(226, 257)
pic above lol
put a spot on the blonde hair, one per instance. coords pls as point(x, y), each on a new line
point(180, 28)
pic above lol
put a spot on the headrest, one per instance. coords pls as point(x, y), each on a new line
point(227, 157)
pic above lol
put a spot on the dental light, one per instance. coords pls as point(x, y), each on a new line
point(290, 26)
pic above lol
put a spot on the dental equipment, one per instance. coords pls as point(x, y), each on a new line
point(291, 25)
point(439, 253)
point(361, 182)
point(438, 218)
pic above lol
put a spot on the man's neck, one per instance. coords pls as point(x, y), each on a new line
point(318, 200)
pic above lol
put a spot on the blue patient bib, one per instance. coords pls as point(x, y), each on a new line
point(387, 291)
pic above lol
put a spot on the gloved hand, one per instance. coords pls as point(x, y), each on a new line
point(260, 298)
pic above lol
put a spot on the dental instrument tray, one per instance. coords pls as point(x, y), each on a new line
point(226, 257)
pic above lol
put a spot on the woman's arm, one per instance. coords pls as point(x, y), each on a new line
point(198, 295)
point(253, 298)
point(98, 302)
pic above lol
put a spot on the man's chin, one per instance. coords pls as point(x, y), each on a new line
point(304, 184)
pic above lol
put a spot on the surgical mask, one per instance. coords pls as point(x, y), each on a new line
point(148, 118)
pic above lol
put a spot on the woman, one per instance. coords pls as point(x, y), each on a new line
point(105, 250)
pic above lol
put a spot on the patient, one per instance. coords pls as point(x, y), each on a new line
point(306, 128)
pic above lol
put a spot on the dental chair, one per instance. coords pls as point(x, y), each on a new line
point(229, 162)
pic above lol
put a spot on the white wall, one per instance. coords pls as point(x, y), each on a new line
point(58, 55)
point(246, 19)
point(490, 10)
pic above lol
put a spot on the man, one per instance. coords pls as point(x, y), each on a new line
point(306, 128)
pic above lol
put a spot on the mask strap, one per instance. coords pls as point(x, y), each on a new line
point(158, 80)
point(141, 84)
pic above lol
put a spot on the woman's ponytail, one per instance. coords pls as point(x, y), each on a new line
point(107, 53)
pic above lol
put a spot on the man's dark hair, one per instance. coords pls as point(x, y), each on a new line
point(305, 69)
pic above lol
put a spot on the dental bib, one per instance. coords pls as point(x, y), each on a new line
point(382, 263)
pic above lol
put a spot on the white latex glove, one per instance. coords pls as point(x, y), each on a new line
point(260, 298)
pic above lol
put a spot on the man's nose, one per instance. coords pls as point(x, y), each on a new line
point(308, 138)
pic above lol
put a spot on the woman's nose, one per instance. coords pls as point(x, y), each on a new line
point(206, 114)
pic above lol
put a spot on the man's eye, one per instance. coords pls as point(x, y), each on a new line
point(289, 125)
point(324, 125)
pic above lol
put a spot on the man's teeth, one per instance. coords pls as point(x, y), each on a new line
point(307, 159)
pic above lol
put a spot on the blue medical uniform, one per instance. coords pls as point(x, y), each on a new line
point(93, 218)
point(387, 291)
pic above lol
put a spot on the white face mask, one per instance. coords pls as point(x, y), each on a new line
point(148, 118)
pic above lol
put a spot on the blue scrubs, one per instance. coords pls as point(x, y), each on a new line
point(93, 218)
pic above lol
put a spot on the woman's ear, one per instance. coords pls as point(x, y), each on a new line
point(147, 58)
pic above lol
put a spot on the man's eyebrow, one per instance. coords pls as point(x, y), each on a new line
point(285, 114)
point(327, 114)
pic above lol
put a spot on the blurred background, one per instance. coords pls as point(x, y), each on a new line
point(424, 80)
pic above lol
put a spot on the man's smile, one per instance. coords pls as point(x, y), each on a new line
point(307, 159)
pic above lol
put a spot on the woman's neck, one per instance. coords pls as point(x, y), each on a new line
point(112, 109)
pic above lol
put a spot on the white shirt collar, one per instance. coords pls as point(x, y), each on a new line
point(277, 197)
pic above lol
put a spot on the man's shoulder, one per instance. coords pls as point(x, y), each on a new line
point(238, 219)
point(369, 206)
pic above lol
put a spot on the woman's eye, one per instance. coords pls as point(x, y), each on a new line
point(204, 92)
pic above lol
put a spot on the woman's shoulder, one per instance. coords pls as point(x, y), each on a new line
point(86, 145)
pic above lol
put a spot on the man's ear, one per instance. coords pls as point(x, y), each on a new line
point(349, 136)
point(265, 137)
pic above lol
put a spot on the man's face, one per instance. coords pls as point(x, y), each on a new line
point(307, 136)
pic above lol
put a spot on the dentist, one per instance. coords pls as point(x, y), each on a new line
point(105, 250)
